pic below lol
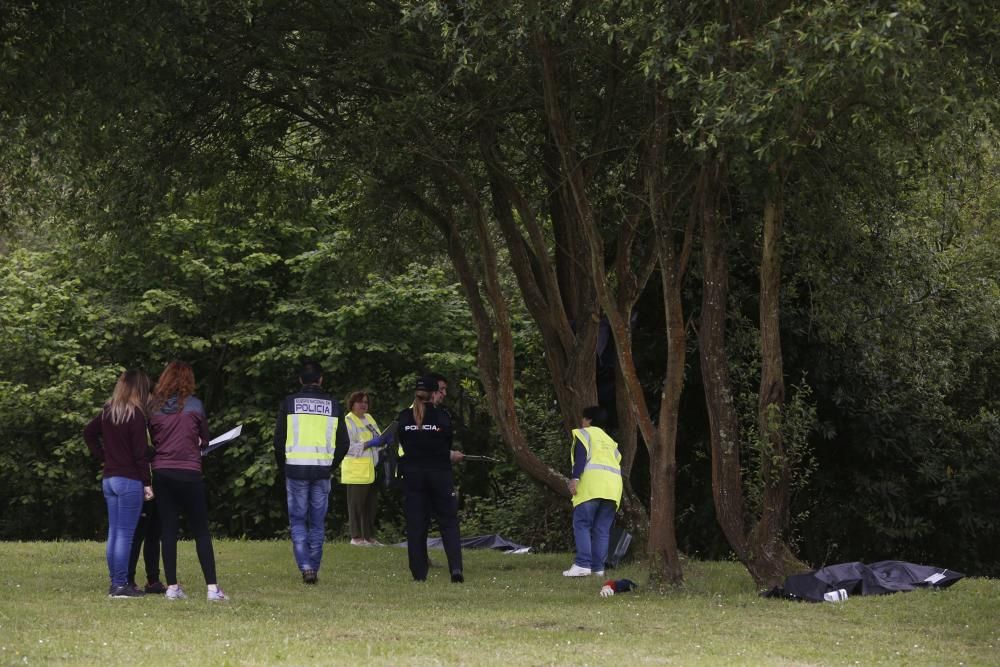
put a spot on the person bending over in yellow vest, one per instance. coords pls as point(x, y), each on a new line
point(596, 487)
point(310, 441)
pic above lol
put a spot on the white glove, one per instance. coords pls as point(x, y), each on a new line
point(607, 591)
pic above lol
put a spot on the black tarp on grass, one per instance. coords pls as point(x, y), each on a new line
point(881, 578)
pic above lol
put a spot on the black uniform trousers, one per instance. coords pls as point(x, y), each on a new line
point(426, 493)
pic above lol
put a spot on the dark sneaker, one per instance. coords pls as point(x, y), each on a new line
point(457, 577)
point(125, 591)
point(155, 588)
point(309, 576)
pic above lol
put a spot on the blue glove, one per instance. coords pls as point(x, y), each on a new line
point(378, 441)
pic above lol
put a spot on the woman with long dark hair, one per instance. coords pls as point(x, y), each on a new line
point(179, 430)
point(117, 438)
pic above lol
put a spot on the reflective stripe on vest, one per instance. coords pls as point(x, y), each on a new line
point(359, 469)
point(602, 475)
point(309, 439)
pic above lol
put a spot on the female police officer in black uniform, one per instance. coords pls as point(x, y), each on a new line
point(428, 488)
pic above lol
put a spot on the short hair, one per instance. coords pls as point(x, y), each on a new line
point(438, 379)
point(311, 372)
point(597, 415)
point(355, 397)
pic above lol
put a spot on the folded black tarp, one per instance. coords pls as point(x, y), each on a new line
point(479, 542)
point(887, 576)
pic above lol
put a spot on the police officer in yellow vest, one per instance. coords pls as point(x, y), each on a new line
point(596, 487)
point(310, 441)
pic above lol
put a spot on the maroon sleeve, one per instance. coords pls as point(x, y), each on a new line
point(92, 436)
point(139, 447)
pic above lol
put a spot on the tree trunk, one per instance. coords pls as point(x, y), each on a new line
point(567, 319)
point(727, 484)
point(666, 568)
point(662, 543)
point(495, 348)
point(632, 509)
point(773, 558)
point(763, 550)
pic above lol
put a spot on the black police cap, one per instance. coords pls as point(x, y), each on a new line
point(426, 383)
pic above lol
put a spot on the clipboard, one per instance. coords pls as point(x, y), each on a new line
point(223, 440)
point(391, 428)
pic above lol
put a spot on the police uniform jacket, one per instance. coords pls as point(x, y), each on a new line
point(311, 400)
point(428, 446)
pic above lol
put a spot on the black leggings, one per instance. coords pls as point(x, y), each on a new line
point(147, 538)
point(174, 497)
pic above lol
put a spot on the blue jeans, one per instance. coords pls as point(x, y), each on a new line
point(124, 498)
point(307, 503)
point(592, 530)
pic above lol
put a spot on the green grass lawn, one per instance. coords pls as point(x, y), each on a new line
point(512, 609)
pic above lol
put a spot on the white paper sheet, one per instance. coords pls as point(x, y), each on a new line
point(231, 434)
point(221, 440)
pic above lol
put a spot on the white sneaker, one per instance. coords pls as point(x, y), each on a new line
point(175, 593)
point(217, 595)
point(577, 571)
point(599, 573)
point(359, 543)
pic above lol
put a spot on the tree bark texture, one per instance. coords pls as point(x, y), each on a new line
point(617, 306)
point(762, 548)
point(727, 484)
point(768, 544)
point(494, 340)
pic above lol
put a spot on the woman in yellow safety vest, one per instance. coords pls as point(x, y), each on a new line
point(357, 472)
point(596, 487)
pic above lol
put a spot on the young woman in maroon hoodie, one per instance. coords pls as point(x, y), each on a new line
point(179, 430)
point(117, 438)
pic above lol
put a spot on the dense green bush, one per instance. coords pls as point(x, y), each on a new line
point(240, 286)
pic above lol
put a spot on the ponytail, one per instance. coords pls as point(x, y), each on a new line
point(419, 406)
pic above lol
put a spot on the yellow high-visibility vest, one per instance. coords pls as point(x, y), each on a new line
point(309, 433)
point(602, 476)
point(360, 469)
